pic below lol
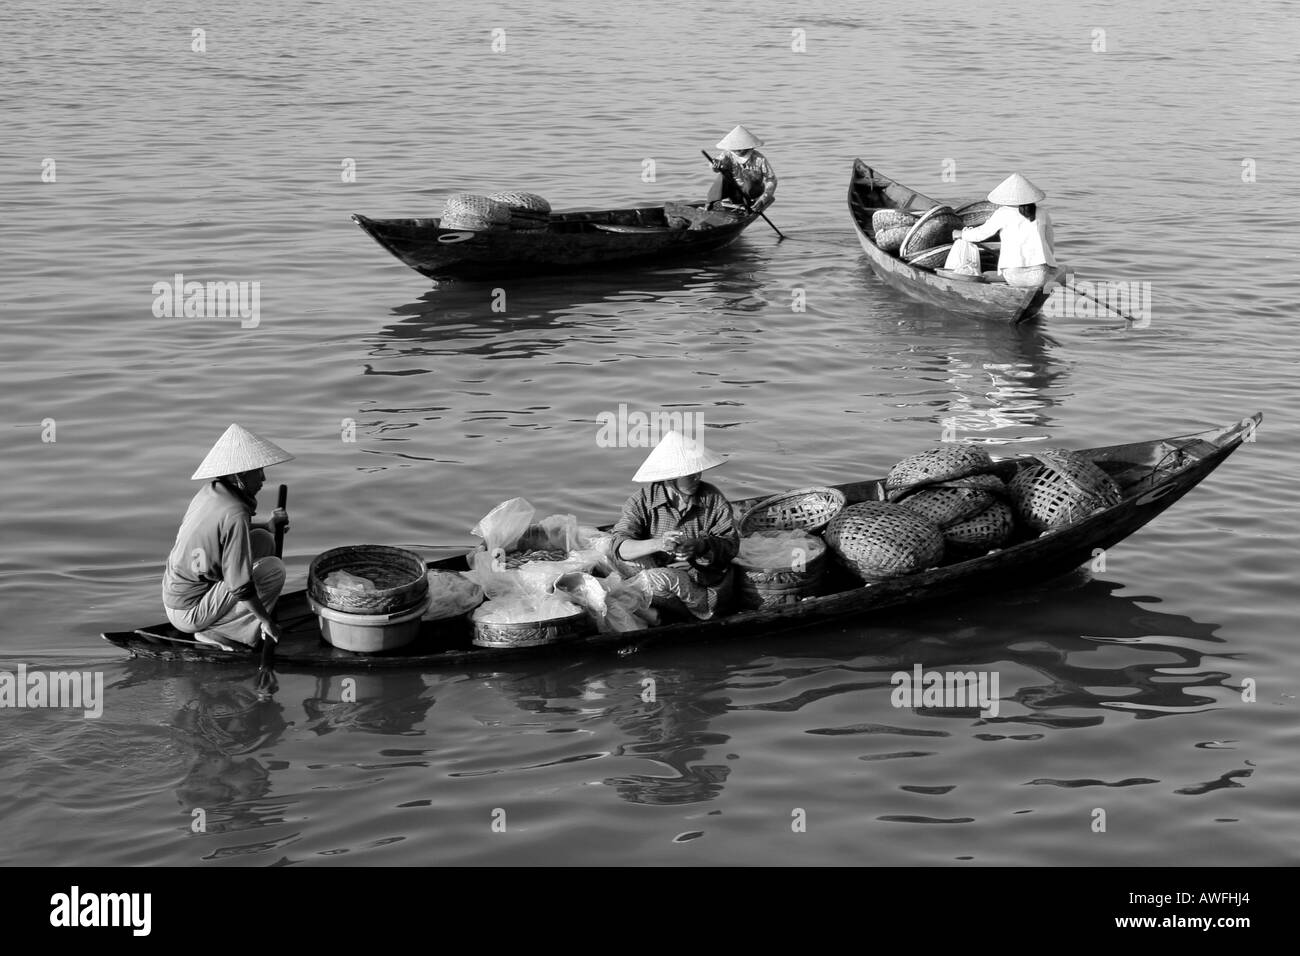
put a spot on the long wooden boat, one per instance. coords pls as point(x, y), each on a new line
point(571, 241)
point(979, 298)
point(1151, 474)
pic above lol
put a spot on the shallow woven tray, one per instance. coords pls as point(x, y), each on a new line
point(805, 509)
point(949, 274)
point(931, 258)
point(878, 540)
point(934, 228)
point(945, 463)
point(976, 213)
point(399, 578)
point(524, 203)
point(533, 633)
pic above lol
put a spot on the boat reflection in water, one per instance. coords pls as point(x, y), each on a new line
point(393, 704)
point(1053, 676)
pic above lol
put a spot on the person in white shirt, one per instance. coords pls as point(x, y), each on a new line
point(1026, 259)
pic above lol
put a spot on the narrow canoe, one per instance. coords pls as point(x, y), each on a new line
point(1152, 475)
point(584, 239)
point(869, 191)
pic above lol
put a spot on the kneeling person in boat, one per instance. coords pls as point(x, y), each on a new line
point(1027, 258)
point(679, 530)
point(743, 172)
point(223, 578)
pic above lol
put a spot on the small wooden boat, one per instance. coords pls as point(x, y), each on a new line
point(1152, 476)
point(969, 296)
point(571, 241)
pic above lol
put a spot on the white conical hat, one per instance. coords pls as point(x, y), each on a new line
point(676, 456)
point(1016, 190)
point(739, 138)
point(239, 450)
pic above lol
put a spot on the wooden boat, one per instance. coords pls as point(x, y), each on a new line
point(572, 241)
point(1152, 475)
point(978, 298)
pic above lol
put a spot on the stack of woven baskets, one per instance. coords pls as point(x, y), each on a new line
point(380, 617)
point(926, 245)
point(474, 213)
point(506, 210)
point(797, 516)
point(955, 488)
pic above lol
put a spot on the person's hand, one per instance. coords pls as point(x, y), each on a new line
point(279, 518)
point(271, 631)
point(687, 548)
point(669, 540)
point(267, 683)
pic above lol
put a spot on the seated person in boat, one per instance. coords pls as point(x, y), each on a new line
point(743, 172)
point(679, 530)
point(223, 578)
point(1026, 259)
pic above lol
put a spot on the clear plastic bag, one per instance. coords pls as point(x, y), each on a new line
point(346, 581)
point(505, 524)
point(613, 605)
point(450, 594)
point(525, 609)
point(963, 257)
point(779, 549)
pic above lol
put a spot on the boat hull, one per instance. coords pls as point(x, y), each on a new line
point(1153, 475)
point(582, 240)
point(993, 301)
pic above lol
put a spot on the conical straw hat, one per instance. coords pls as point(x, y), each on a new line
point(239, 450)
point(676, 456)
point(739, 138)
point(1016, 190)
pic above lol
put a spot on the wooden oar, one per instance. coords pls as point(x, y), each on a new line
point(1109, 308)
point(743, 195)
point(268, 645)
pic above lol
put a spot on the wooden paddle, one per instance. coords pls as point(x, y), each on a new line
point(268, 645)
point(743, 195)
point(1109, 308)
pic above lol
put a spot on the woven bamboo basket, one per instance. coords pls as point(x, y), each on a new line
point(976, 213)
point(948, 506)
point(528, 203)
point(934, 228)
point(989, 529)
point(533, 633)
point(946, 463)
point(759, 588)
point(891, 219)
point(398, 575)
point(931, 258)
point(877, 540)
point(806, 509)
point(890, 239)
point(984, 482)
point(1060, 489)
point(475, 213)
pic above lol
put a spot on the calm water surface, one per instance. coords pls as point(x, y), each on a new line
point(1121, 689)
